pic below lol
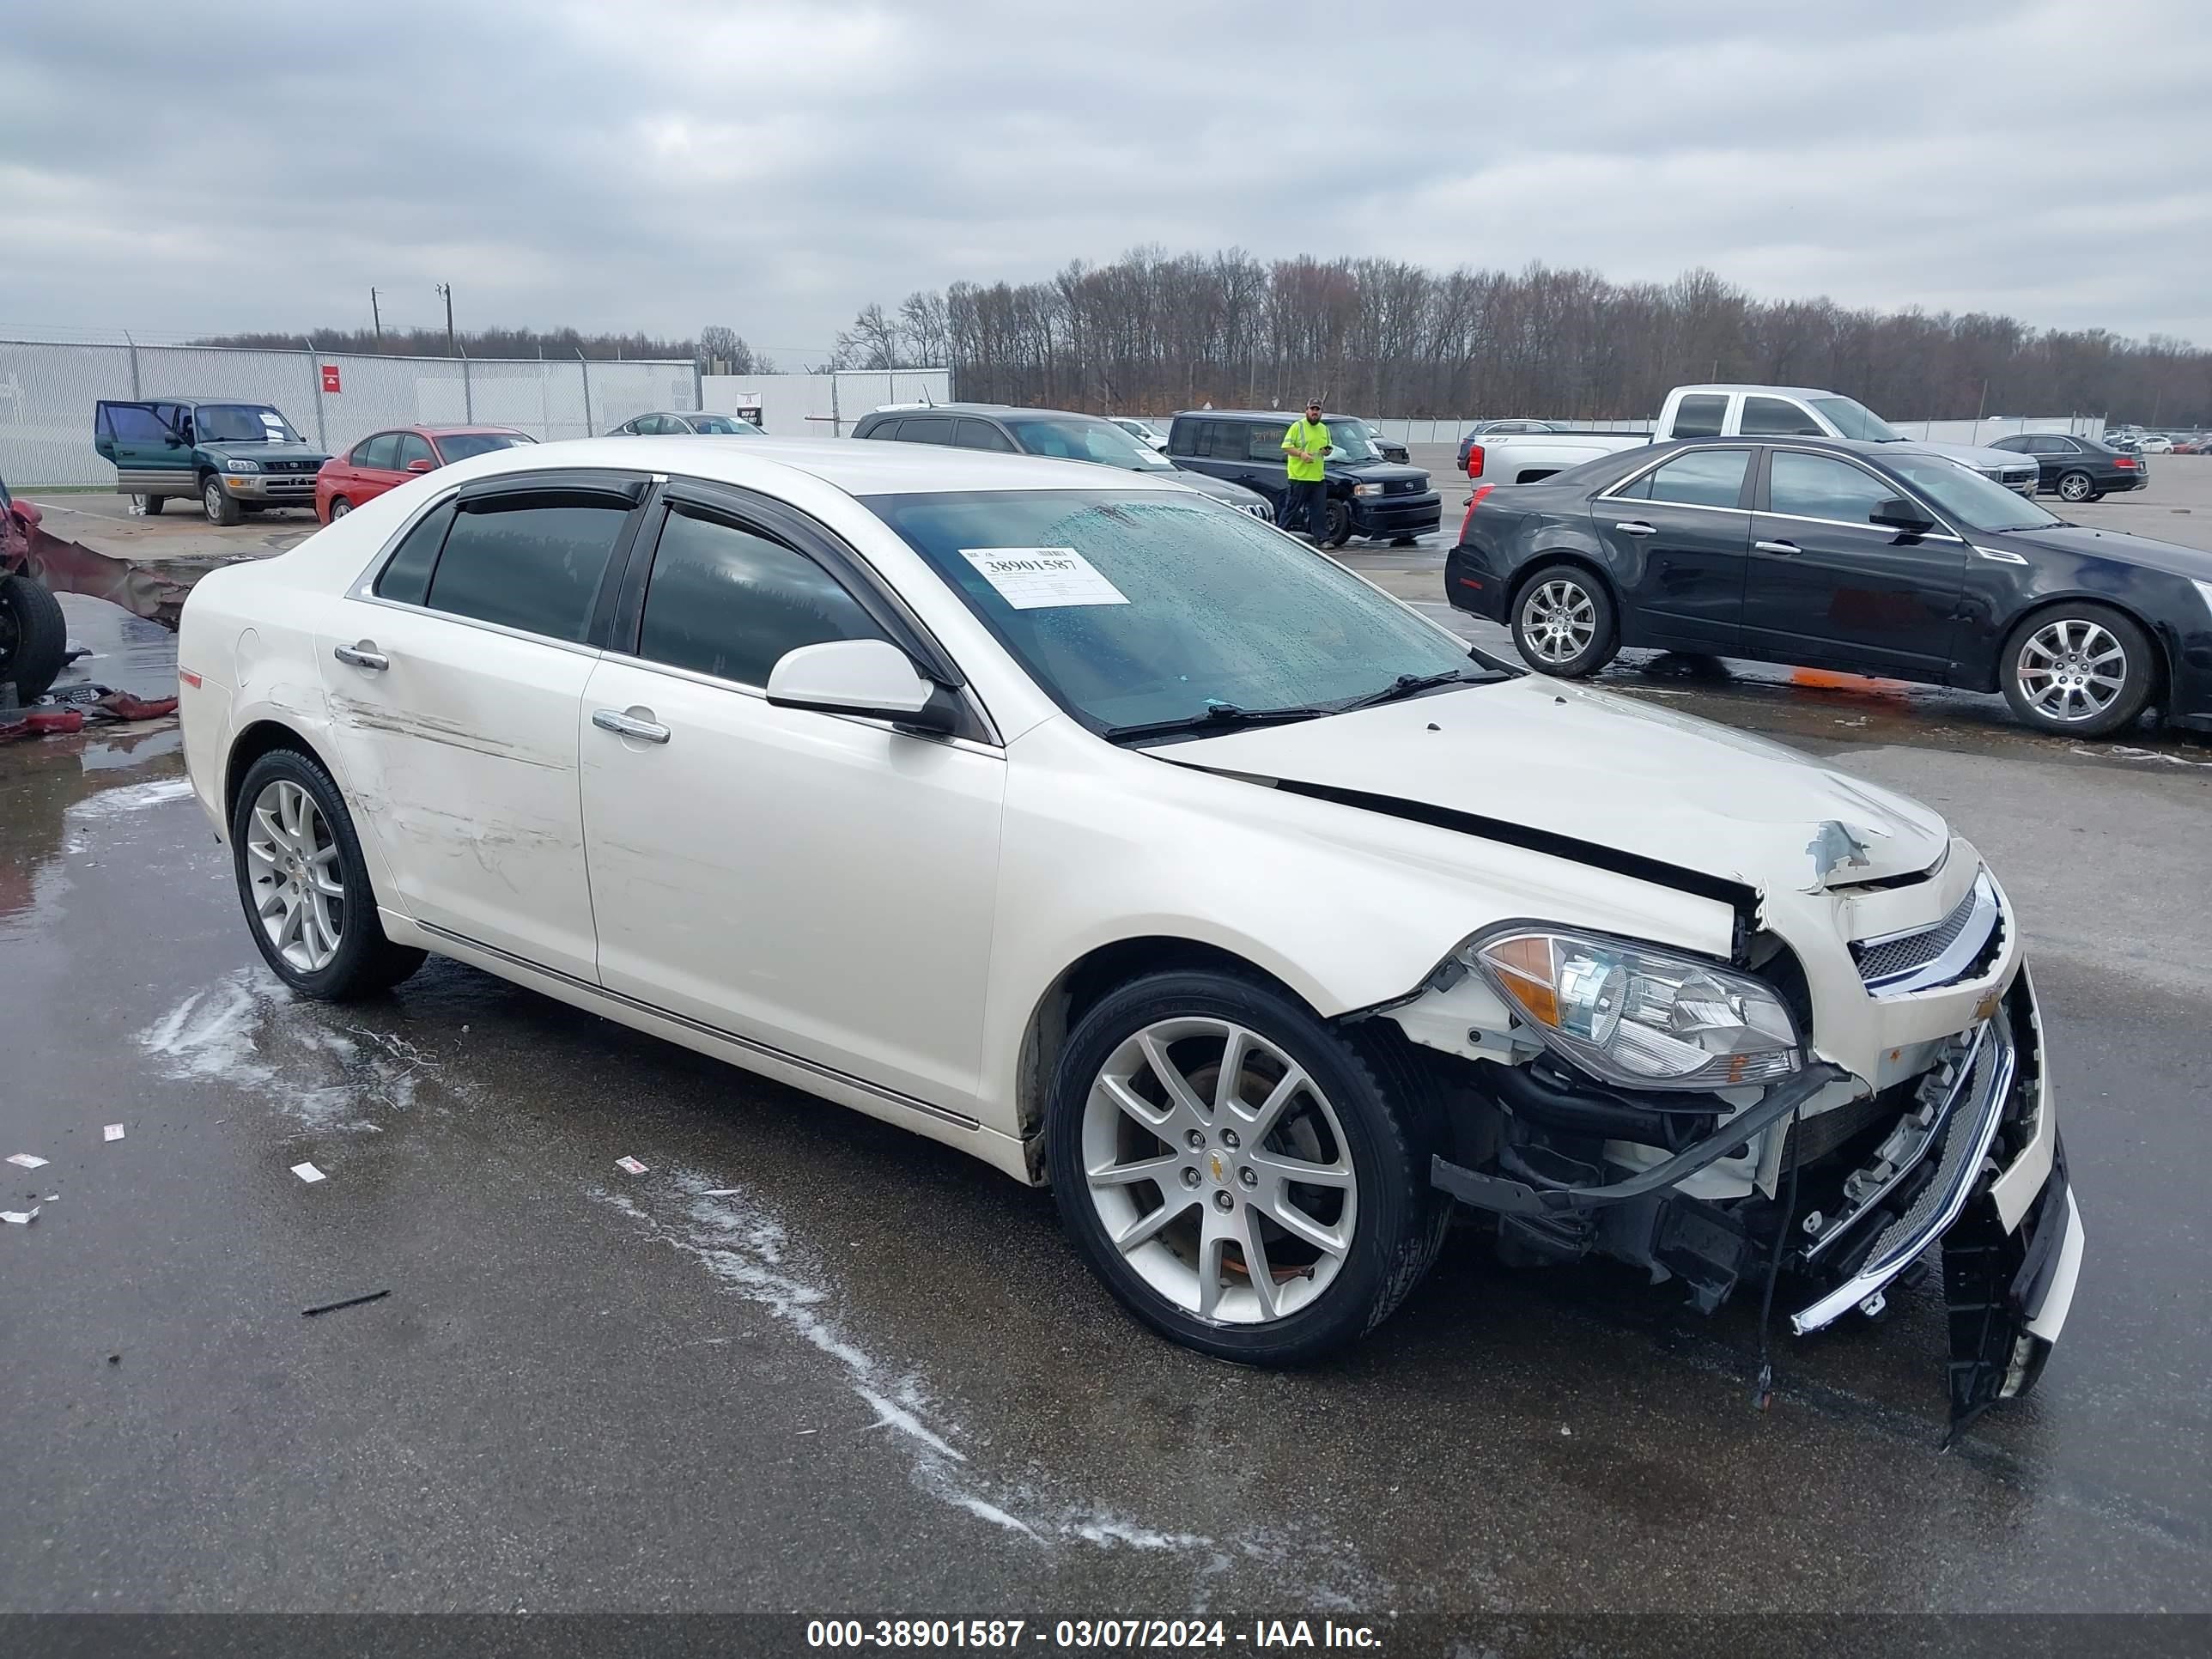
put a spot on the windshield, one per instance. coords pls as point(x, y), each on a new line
point(724, 426)
point(459, 446)
point(241, 423)
point(1132, 607)
point(1964, 494)
point(1348, 441)
point(1853, 419)
point(1084, 438)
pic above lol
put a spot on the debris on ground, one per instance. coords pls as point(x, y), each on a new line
point(28, 1160)
point(307, 1172)
point(631, 1164)
point(66, 708)
point(21, 1217)
point(350, 1301)
point(113, 1131)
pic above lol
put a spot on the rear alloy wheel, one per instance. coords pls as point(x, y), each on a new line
point(1244, 1179)
point(304, 885)
point(217, 501)
point(2076, 486)
point(1563, 623)
point(2081, 669)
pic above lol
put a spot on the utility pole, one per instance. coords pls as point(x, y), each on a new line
point(376, 319)
point(446, 290)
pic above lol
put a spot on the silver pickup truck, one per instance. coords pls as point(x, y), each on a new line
point(1726, 412)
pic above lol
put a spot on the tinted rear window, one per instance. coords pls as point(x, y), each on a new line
point(1699, 417)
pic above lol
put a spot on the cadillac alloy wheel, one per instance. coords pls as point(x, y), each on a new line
point(2084, 669)
point(1563, 623)
point(1237, 1172)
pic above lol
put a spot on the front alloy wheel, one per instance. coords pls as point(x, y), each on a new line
point(1563, 623)
point(1249, 1180)
point(2084, 669)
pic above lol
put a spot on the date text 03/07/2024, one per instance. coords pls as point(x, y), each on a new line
point(1077, 1635)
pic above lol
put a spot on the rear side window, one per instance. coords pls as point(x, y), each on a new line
point(406, 576)
point(1820, 487)
point(730, 602)
point(880, 429)
point(376, 453)
point(1710, 477)
point(1699, 417)
point(529, 562)
point(1772, 418)
point(1264, 443)
point(926, 429)
point(981, 434)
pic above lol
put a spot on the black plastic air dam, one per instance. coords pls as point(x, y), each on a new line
point(1508, 1197)
point(1594, 1109)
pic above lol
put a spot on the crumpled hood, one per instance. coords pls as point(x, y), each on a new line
point(1569, 761)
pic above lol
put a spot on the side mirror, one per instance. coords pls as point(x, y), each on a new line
point(860, 677)
point(420, 465)
point(1898, 513)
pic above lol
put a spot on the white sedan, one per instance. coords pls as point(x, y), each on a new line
point(1117, 839)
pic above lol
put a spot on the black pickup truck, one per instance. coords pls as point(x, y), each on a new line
point(1368, 495)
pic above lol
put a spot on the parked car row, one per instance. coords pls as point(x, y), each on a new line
point(1868, 557)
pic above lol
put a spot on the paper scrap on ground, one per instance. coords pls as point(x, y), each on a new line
point(306, 1172)
point(21, 1217)
point(1043, 578)
point(113, 1131)
point(28, 1160)
point(631, 1164)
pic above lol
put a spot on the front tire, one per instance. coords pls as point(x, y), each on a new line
point(1247, 1180)
point(304, 884)
point(2080, 669)
point(2075, 487)
point(219, 505)
point(1563, 622)
point(1339, 524)
point(339, 507)
point(1404, 541)
point(34, 636)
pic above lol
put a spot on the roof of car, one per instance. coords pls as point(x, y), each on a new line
point(858, 467)
point(1261, 414)
point(451, 431)
point(1747, 385)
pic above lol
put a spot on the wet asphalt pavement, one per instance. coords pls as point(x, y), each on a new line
point(808, 1362)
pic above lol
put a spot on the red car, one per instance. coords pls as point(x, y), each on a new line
point(385, 458)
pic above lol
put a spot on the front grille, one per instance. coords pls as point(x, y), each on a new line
point(1902, 955)
point(1961, 946)
point(1402, 486)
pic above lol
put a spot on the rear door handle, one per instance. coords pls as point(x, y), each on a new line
point(629, 725)
point(1778, 547)
point(1636, 528)
point(363, 655)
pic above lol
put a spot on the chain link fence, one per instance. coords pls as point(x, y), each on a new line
point(48, 388)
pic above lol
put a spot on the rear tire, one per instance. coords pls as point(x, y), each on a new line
point(1563, 622)
point(1364, 1115)
point(217, 503)
point(292, 843)
point(2075, 487)
point(2079, 669)
point(149, 506)
point(33, 637)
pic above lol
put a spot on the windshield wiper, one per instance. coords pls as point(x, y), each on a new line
point(1215, 714)
point(1410, 685)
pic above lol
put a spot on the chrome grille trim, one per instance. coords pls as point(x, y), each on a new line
point(1920, 959)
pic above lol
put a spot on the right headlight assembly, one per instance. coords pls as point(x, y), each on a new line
point(1636, 1015)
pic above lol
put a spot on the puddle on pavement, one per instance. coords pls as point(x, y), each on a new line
point(128, 652)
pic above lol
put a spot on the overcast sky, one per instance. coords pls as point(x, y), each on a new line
point(663, 164)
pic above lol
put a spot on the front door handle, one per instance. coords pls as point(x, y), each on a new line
point(362, 655)
point(1636, 528)
point(629, 725)
point(1778, 547)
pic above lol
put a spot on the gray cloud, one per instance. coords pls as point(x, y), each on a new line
point(774, 166)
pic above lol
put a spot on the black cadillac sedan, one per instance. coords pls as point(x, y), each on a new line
point(1842, 555)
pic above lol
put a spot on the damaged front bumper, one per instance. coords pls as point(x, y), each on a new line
point(1971, 1159)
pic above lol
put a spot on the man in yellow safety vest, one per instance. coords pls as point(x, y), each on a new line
point(1305, 498)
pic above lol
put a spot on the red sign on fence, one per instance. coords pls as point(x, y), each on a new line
point(330, 377)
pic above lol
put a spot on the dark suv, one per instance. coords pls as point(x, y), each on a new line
point(1057, 433)
point(2078, 469)
point(1367, 495)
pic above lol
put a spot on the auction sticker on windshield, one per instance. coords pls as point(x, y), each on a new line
point(1043, 578)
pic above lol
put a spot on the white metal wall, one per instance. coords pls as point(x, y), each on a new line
point(822, 406)
point(47, 391)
